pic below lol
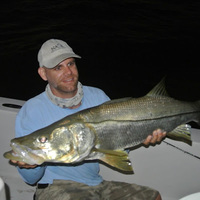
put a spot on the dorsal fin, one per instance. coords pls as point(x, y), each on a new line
point(158, 90)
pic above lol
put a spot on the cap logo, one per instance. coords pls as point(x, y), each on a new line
point(57, 47)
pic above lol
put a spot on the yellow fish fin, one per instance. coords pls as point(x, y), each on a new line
point(116, 158)
point(158, 90)
point(181, 133)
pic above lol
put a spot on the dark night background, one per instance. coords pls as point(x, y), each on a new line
point(126, 46)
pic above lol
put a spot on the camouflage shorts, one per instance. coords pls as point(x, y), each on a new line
point(107, 190)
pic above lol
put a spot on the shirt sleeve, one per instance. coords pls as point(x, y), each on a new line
point(26, 123)
point(31, 176)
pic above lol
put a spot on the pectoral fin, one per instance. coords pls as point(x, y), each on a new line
point(118, 159)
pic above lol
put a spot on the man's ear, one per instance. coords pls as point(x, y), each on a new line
point(42, 73)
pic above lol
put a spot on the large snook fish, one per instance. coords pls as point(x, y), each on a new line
point(105, 131)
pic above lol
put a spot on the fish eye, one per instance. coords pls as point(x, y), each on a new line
point(43, 139)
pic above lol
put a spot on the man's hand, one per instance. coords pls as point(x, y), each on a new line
point(156, 137)
point(22, 164)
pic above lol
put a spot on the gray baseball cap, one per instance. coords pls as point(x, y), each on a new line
point(54, 51)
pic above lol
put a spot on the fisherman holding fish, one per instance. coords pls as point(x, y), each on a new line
point(65, 95)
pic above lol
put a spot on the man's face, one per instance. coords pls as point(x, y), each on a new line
point(63, 78)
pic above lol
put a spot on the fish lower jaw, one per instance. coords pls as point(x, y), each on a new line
point(26, 155)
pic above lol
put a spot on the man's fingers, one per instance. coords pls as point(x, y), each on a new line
point(157, 136)
point(22, 164)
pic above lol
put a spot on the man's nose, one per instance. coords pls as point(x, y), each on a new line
point(67, 70)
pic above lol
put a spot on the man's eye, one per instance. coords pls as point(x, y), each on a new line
point(57, 68)
point(70, 64)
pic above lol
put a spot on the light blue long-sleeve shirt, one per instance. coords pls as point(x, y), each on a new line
point(40, 112)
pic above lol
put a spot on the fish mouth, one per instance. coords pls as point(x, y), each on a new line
point(25, 154)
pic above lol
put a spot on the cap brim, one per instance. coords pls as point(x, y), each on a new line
point(58, 59)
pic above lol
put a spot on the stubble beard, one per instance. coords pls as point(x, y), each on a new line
point(67, 89)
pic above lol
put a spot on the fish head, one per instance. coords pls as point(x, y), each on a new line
point(64, 144)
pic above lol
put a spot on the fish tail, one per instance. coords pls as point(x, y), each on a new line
point(181, 133)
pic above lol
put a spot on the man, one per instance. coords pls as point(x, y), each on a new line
point(63, 96)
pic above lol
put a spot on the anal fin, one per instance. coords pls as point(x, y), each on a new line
point(181, 133)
